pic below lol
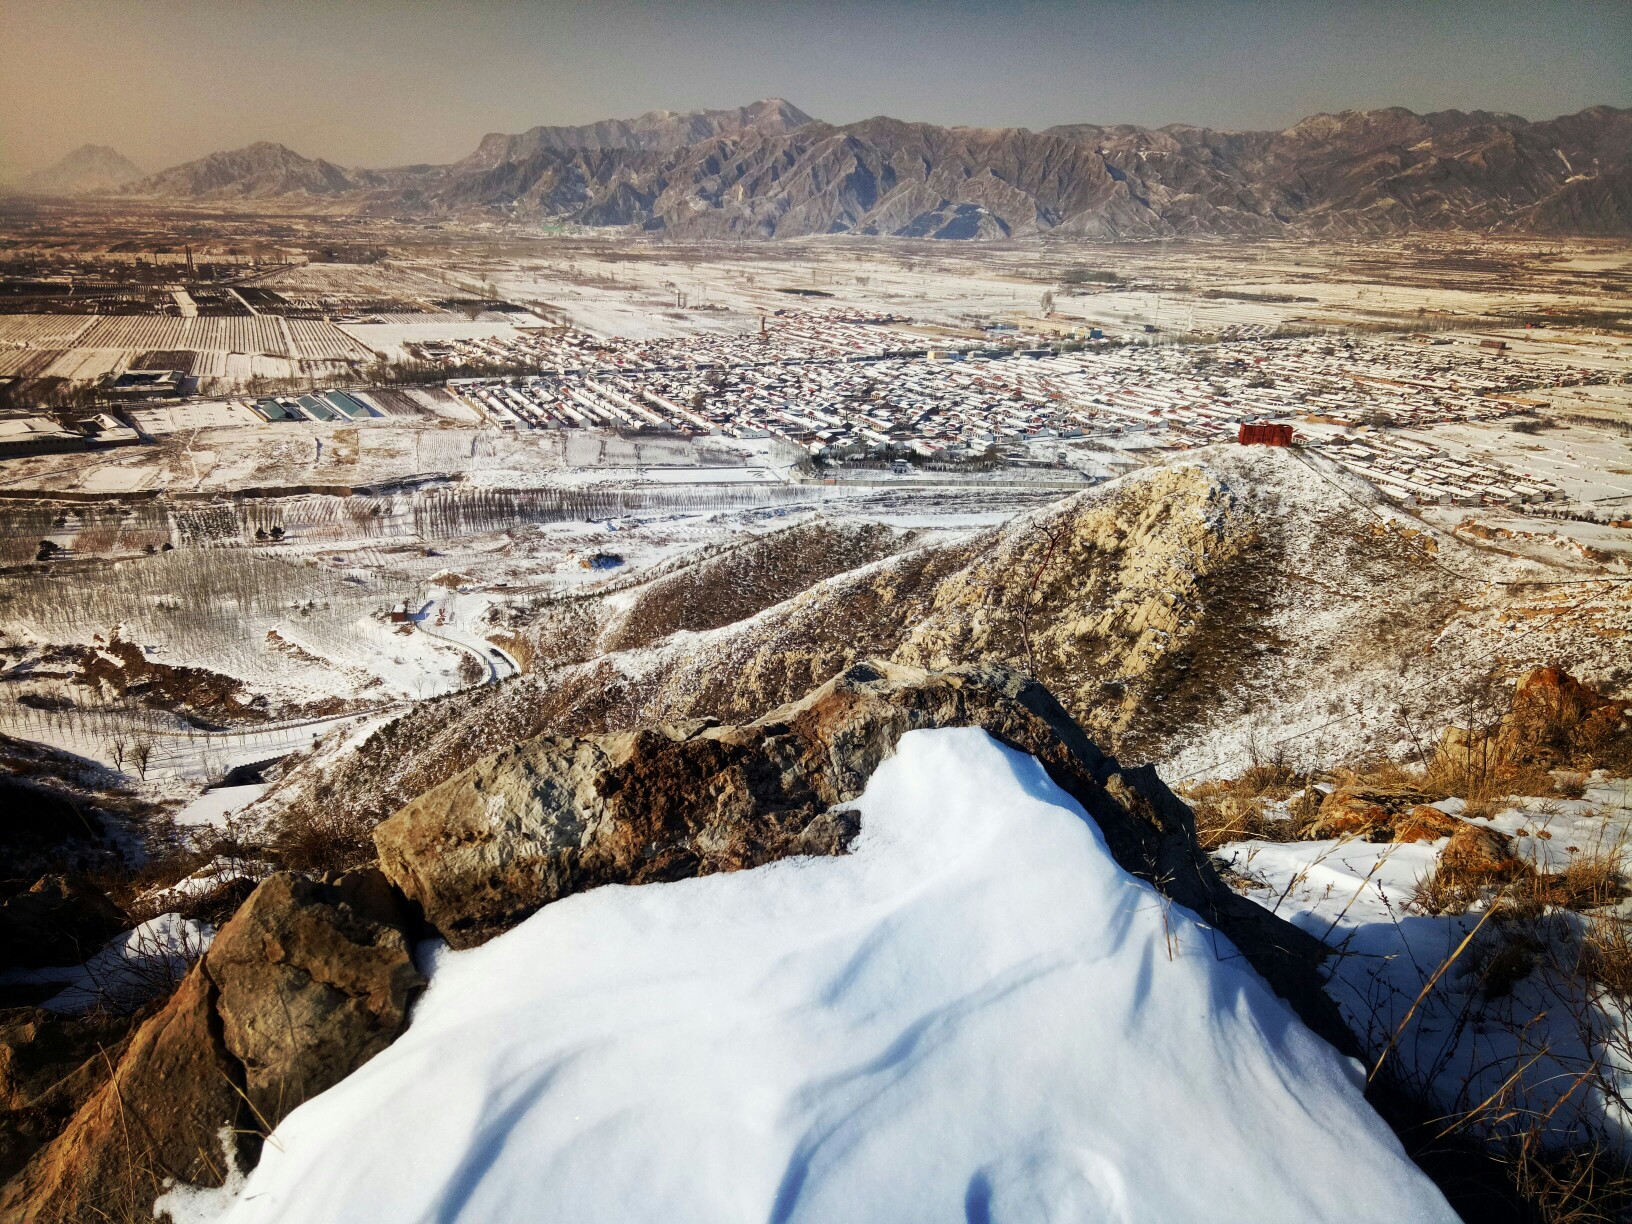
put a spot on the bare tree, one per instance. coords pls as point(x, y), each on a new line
point(141, 752)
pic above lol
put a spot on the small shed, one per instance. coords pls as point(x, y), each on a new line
point(1264, 435)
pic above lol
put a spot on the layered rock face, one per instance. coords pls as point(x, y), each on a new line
point(558, 815)
point(306, 983)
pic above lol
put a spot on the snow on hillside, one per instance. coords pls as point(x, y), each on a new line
point(976, 1015)
point(1547, 1046)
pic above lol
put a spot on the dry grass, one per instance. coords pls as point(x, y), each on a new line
point(1255, 805)
point(320, 837)
point(1561, 1165)
point(1546, 931)
point(1606, 957)
point(1553, 928)
point(1580, 1185)
point(1517, 887)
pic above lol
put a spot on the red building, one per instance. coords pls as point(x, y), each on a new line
point(1264, 435)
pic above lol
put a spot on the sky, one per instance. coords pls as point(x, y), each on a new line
point(392, 82)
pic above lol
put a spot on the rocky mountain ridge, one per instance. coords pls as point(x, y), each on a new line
point(769, 171)
point(660, 130)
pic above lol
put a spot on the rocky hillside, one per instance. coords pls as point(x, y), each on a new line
point(766, 170)
point(1168, 611)
point(88, 168)
point(258, 171)
point(659, 130)
point(309, 980)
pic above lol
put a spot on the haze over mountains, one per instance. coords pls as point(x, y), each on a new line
point(88, 168)
point(768, 170)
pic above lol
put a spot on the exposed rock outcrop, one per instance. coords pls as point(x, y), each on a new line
point(163, 1113)
point(556, 815)
point(49, 1066)
point(1379, 815)
point(1553, 721)
point(305, 984)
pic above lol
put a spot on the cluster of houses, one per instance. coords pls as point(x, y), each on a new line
point(843, 388)
point(1413, 470)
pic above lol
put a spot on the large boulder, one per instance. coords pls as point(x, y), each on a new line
point(307, 982)
point(312, 981)
point(50, 1063)
point(554, 816)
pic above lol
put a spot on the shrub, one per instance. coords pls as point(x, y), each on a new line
point(324, 836)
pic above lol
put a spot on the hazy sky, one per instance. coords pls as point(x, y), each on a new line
point(387, 82)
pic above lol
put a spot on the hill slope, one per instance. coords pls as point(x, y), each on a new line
point(260, 170)
point(1225, 606)
point(88, 168)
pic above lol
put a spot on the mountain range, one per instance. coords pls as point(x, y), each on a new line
point(768, 170)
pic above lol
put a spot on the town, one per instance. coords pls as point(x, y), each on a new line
point(855, 387)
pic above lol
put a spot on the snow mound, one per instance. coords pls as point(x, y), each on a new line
point(977, 1015)
point(130, 969)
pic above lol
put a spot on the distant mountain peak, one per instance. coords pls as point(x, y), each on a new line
point(658, 131)
point(263, 169)
point(91, 167)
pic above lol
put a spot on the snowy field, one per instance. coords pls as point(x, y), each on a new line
point(841, 1039)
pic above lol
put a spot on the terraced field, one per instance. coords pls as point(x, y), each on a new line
point(43, 330)
point(217, 350)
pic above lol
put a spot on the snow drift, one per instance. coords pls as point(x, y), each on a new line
point(976, 1015)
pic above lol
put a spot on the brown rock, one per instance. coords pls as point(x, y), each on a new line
point(1343, 814)
point(49, 1066)
point(308, 981)
point(313, 980)
point(159, 1116)
point(61, 920)
point(1420, 822)
point(1478, 853)
point(1555, 721)
point(555, 816)
point(1378, 815)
